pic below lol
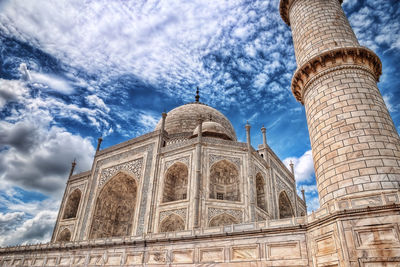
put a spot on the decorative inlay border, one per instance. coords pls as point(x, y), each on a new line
point(212, 212)
point(341, 58)
point(282, 186)
point(134, 166)
point(166, 213)
point(169, 163)
point(79, 186)
point(280, 172)
point(214, 158)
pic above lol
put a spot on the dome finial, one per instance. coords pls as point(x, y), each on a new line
point(197, 95)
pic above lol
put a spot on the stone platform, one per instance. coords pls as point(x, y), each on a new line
point(354, 232)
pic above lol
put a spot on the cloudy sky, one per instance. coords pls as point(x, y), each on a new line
point(72, 71)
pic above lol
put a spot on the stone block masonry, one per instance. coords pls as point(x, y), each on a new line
point(356, 148)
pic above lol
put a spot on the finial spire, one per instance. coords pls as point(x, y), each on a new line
point(72, 167)
point(197, 95)
point(99, 140)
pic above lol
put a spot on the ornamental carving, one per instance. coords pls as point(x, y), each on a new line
point(166, 213)
point(92, 189)
point(184, 160)
point(237, 214)
point(80, 187)
point(281, 173)
point(214, 158)
point(282, 186)
point(134, 166)
point(359, 57)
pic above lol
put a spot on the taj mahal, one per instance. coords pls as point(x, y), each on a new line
point(189, 194)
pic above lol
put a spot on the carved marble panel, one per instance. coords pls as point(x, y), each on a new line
point(113, 260)
point(214, 158)
point(182, 256)
point(134, 259)
point(212, 255)
point(157, 257)
point(51, 261)
point(184, 160)
point(96, 259)
point(325, 245)
point(283, 251)
point(39, 262)
point(65, 261)
point(78, 260)
point(134, 167)
point(238, 214)
point(377, 236)
point(180, 212)
point(244, 253)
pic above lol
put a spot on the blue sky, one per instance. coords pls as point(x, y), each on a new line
point(72, 71)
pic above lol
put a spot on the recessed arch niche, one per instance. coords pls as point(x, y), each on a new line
point(175, 183)
point(224, 181)
point(260, 190)
point(223, 219)
point(285, 207)
point(72, 205)
point(64, 236)
point(115, 208)
point(172, 223)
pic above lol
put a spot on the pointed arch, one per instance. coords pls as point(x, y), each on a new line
point(285, 207)
point(71, 208)
point(224, 181)
point(223, 219)
point(64, 236)
point(175, 183)
point(260, 191)
point(172, 223)
point(115, 208)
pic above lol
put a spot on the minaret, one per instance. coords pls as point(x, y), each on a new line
point(356, 148)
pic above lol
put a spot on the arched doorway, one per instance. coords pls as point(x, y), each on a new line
point(223, 219)
point(115, 208)
point(64, 236)
point(71, 207)
point(285, 207)
point(260, 191)
point(172, 223)
point(175, 183)
point(224, 181)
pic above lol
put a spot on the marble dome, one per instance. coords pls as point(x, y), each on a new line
point(183, 119)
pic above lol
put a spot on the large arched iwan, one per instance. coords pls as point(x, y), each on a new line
point(285, 207)
point(260, 189)
point(71, 208)
point(224, 181)
point(115, 208)
point(175, 183)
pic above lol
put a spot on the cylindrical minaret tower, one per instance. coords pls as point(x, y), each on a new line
point(356, 148)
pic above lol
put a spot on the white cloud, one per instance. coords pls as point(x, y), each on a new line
point(53, 82)
point(148, 121)
point(97, 102)
point(349, 3)
point(387, 99)
point(11, 91)
point(303, 166)
point(165, 44)
point(34, 230)
point(37, 157)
